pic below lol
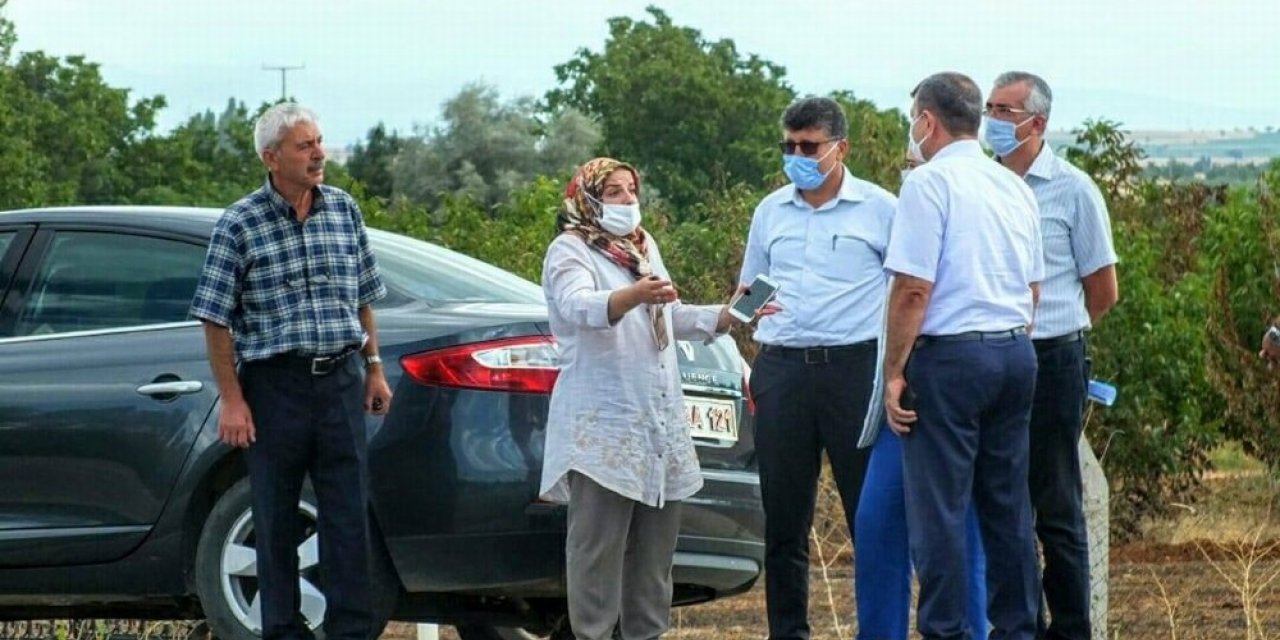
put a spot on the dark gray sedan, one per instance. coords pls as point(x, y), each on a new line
point(117, 500)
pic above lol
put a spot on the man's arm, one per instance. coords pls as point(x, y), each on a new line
point(235, 422)
point(1035, 305)
point(908, 299)
point(377, 395)
point(1101, 292)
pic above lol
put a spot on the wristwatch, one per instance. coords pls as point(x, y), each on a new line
point(371, 360)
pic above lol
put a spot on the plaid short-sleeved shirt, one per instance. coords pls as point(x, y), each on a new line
point(283, 285)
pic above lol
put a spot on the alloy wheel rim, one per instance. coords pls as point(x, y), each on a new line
point(238, 569)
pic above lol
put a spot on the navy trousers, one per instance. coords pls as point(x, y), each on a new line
point(308, 424)
point(970, 442)
point(804, 406)
point(1057, 489)
point(882, 560)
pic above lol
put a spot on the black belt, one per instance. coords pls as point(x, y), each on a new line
point(971, 336)
point(817, 355)
point(307, 363)
point(1074, 336)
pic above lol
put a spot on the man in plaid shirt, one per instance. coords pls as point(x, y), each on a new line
point(285, 291)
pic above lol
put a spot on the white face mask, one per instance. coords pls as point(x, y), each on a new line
point(620, 219)
point(914, 152)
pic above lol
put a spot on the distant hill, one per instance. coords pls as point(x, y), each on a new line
point(1221, 146)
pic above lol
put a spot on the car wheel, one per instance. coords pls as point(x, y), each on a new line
point(227, 569)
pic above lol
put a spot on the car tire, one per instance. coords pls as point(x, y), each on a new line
point(225, 568)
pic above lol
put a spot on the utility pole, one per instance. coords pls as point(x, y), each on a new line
point(284, 71)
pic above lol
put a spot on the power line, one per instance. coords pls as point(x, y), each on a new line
point(284, 72)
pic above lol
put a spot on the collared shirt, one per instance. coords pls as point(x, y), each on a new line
point(617, 411)
point(828, 262)
point(283, 285)
point(971, 227)
point(1076, 232)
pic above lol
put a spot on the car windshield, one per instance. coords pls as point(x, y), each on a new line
point(417, 270)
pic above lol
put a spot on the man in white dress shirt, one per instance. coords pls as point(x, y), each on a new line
point(822, 238)
point(959, 367)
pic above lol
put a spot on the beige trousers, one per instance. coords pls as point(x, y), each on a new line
point(619, 554)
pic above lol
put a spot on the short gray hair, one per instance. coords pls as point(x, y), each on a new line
point(275, 121)
point(1039, 100)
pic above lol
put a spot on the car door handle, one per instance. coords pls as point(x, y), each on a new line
point(174, 388)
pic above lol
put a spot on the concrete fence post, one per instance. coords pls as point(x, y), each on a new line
point(1097, 514)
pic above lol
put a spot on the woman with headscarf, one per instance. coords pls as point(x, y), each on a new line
point(618, 449)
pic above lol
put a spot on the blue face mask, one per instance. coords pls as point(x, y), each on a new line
point(803, 170)
point(1002, 136)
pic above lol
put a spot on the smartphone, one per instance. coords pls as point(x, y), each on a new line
point(761, 290)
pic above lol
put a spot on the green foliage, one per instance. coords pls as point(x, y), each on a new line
point(694, 115)
point(65, 132)
point(7, 36)
point(485, 149)
point(1107, 153)
point(371, 162)
point(1242, 248)
point(1154, 443)
point(207, 161)
point(515, 237)
point(877, 140)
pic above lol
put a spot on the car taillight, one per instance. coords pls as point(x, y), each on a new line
point(528, 364)
point(746, 388)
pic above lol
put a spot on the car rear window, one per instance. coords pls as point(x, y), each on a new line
point(417, 270)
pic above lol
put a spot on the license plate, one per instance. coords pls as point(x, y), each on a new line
point(712, 418)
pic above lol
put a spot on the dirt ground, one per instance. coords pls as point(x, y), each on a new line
point(1189, 590)
point(1166, 592)
point(1209, 571)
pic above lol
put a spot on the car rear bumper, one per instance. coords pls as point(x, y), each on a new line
point(720, 550)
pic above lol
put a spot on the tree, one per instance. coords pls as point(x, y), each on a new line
point(877, 139)
point(485, 148)
point(208, 160)
point(7, 35)
point(1106, 152)
point(371, 163)
point(1242, 247)
point(65, 130)
point(1155, 441)
point(693, 114)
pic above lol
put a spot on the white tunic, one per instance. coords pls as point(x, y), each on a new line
point(617, 413)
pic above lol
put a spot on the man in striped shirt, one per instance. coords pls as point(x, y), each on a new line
point(1079, 288)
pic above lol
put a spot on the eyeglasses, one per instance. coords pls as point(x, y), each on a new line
point(807, 147)
point(1002, 111)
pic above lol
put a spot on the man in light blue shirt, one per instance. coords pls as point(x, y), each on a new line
point(959, 368)
point(1079, 287)
point(823, 239)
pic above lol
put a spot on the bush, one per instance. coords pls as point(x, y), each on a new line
point(1242, 249)
point(1154, 442)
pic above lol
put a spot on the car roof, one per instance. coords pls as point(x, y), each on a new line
point(196, 221)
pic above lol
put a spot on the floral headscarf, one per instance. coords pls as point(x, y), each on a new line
point(580, 215)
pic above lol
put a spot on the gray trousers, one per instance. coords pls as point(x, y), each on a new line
point(619, 554)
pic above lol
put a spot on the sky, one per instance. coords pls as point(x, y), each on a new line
point(1169, 64)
